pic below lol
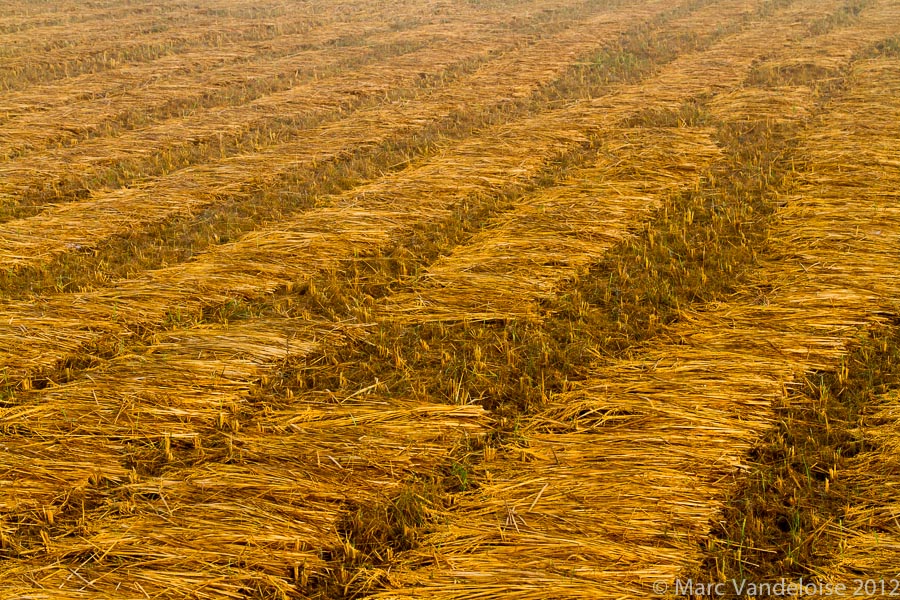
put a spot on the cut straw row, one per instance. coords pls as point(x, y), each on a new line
point(191, 379)
point(553, 234)
point(92, 29)
point(17, 17)
point(522, 257)
point(122, 83)
point(180, 356)
point(232, 505)
point(851, 198)
point(361, 128)
point(203, 528)
point(220, 530)
point(106, 53)
point(865, 544)
point(311, 101)
point(613, 485)
point(142, 399)
point(363, 219)
point(64, 113)
point(112, 49)
point(185, 80)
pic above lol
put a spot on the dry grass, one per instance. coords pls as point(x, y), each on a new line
point(305, 88)
point(37, 120)
point(546, 343)
point(553, 234)
point(351, 224)
point(603, 441)
point(318, 144)
point(103, 54)
point(795, 501)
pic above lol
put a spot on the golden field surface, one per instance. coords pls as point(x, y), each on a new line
point(448, 298)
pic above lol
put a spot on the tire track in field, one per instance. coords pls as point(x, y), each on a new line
point(617, 481)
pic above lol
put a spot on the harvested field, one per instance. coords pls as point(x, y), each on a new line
point(447, 299)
